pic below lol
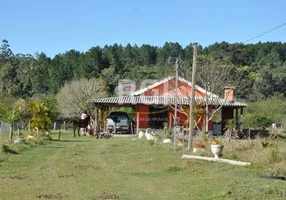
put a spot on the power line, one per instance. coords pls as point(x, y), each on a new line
point(265, 32)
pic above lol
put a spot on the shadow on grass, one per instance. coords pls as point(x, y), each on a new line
point(168, 171)
point(6, 149)
point(49, 147)
point(70, 140)
point(281, 136)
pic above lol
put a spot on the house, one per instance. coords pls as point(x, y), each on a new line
point(154, 105)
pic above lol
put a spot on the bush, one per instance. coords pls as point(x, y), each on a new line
point(257, 121)
point(263, 113)
point(39, 139)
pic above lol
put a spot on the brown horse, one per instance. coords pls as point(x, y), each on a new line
point(81, 123)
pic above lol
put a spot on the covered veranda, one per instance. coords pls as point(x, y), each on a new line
point(103, 106)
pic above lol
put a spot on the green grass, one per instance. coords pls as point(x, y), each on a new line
point(123, 168)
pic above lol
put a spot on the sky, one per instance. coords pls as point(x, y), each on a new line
point(56, 26)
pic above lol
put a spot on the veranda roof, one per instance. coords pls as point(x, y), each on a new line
point(163, 100)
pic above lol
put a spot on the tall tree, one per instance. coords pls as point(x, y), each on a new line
point(73, 97)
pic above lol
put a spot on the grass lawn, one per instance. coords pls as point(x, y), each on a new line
point(123, 168)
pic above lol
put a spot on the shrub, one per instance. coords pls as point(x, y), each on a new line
point(274, 156)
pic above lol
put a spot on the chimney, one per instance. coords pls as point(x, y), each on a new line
point(228, 93)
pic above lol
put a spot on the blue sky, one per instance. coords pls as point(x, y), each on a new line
point(56, 26)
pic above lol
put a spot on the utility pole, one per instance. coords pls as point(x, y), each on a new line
point(176, 105)
point(207, 108)
point(192, 104)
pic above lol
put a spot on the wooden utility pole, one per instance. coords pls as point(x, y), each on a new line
point(176, 106)
point(192, 103)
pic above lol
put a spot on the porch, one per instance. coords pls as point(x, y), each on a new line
point(153, 111)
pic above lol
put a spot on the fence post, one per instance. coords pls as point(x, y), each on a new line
point(0, 137)
point(11, 133)
point(60, 131)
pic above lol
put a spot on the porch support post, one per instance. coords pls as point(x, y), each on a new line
point(137, 121)
point(241, 118)
point(105, 117)
point(170, 118)
point(236, 119)
point(96, 120)
point(104, 121)
point(101, 118)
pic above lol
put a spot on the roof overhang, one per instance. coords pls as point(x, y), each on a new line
point(163, 100)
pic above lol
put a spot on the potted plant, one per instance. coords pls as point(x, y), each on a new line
point(199, 147)
point(216, 148)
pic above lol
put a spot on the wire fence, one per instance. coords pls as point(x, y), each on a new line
point(4, 127)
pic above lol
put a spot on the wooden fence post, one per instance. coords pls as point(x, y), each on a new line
point(0, 137)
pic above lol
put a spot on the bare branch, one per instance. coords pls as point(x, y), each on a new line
point(73, 97)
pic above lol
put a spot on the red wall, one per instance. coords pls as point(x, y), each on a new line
point(168, 88)
point(183, 117)
point(143, 115)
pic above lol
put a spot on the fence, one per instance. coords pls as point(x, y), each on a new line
point(4, 128)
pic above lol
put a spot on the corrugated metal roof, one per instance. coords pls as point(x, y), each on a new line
point(164, 100)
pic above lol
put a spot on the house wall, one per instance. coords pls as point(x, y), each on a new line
point(168, 88)
point(183, 117)
point(144, 118)
point(143, 115)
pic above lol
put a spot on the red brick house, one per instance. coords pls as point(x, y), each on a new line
point(154, 104)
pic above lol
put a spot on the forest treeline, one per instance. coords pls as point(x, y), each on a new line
point(28, 76)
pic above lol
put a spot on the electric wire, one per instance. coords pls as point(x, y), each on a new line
point(255, 37)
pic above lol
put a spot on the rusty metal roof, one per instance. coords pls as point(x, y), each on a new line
point(164, 100)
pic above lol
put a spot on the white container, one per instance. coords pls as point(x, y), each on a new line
point(166, 141)
point(19, 141)
point(30, 136)
point(198, 149)
point(149, 136)
point(141, 134)
point(216, 150)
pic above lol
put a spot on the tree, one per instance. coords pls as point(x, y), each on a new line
point(90, 64)
point(39, 74)
point(148, 54)
point(40, 116)
point(265, 112)
point(50, 101)
point(5, 52)
point(13, 115)
point(73, 97)
point(57, 74)
point(213, 75)
point(26, 75)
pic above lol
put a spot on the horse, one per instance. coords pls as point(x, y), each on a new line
point(81, 123)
